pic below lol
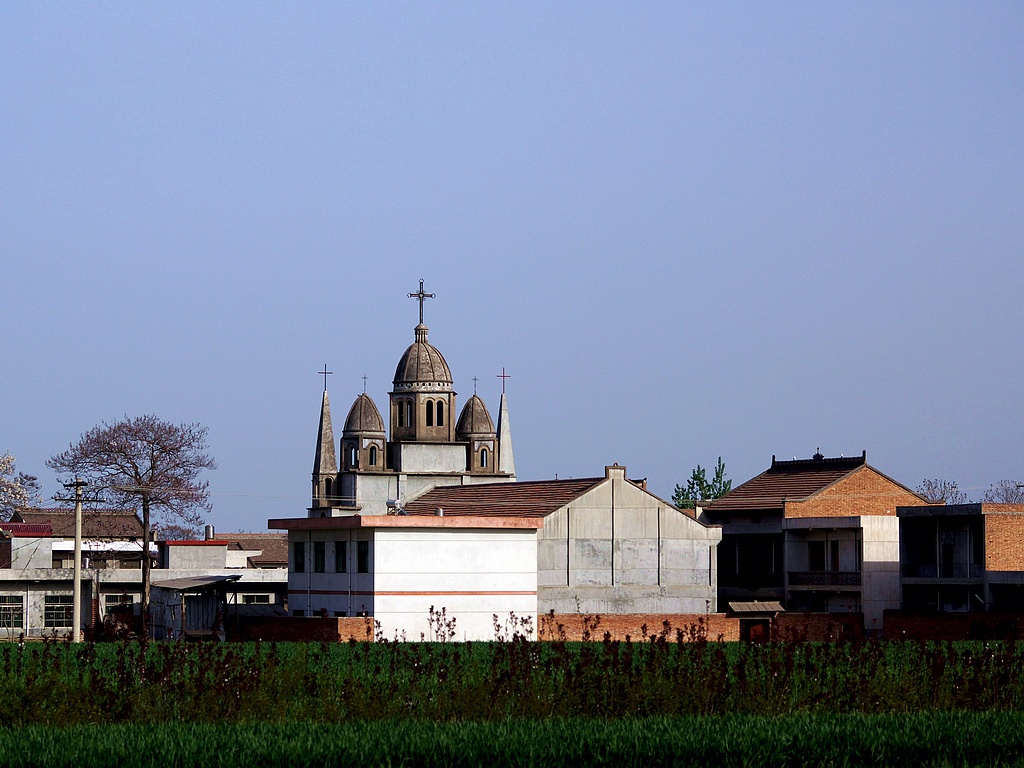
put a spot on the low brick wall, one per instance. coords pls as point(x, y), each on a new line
point(897, 625)
point(820, 627)
point(639, 626)
point(300, 629)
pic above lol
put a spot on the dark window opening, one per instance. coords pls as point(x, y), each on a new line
point(483, 458)
point(430, 413)
point(440, 414)
point(341, 557)
point(299, 557)
point(363, 556)
point(319, 556)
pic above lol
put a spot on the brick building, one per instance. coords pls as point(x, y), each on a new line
point(818, 534)
point(962, 557)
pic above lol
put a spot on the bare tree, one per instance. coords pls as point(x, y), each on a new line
point(1005, 492)
point(144, 462)
point(16, 490)
point(942, 490)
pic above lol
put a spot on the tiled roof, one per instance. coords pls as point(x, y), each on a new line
point(527, 499)
point(790, 480)
point(26, 530)
point(96, 523)
point(274, 547)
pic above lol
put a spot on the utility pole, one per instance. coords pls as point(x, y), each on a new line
point(76, 600)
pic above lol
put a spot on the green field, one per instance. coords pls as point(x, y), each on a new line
point(932, 739)
point(513, 703)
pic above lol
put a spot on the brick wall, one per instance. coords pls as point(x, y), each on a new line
point(1004, 539)
point(952, 626)
point(300, 629)
point(864, 492)
point(639, 627)
point(820, 627)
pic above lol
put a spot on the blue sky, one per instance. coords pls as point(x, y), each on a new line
point(686, 230)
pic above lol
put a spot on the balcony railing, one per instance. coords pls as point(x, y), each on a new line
point(944, 571)
point(824, 578)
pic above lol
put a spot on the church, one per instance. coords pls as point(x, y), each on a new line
point(426, 447)
point(426, 514)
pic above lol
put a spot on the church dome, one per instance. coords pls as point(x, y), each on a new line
point(364, 417)
point(423, 364)
point(474, 420)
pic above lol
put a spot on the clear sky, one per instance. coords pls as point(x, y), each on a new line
point(686, 230)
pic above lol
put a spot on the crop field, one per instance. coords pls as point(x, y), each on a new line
point(513, 703)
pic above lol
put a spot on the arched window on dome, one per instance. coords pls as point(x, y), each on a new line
point(373, 455)
point(353, 456)
point(430, 413)
point(483, 458)
point(440, 413)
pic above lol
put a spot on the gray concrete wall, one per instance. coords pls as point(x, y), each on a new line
point(620, 549)
point(881, 569)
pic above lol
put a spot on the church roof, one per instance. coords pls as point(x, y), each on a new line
point(325, 462)
point(529, 499)
point(474, 420)
point(792, 480)
point(422, 362)
point(364, 416)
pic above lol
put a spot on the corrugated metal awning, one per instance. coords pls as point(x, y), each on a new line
point(757, 607)
point(195, 583)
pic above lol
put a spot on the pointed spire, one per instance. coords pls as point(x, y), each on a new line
point(506, 462)
point(325, 462)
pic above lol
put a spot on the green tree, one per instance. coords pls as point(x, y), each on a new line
point(144, 462)
point(698, 488)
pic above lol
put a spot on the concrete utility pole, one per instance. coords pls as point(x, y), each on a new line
point(76, 600)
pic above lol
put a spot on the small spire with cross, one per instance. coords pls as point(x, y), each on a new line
point(422, 296)
point(365, 377)
point(325, 373)
point(503, 376)
point(475, 380)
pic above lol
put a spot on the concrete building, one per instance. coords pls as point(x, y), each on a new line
point(960, 558)
point(817, 534)
point(401, 570)
point(606, 545)
point(37, 570)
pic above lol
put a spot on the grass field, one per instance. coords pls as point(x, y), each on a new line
point(551, 703)
point(929, 739)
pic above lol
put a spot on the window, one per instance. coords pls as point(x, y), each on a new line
point(256, 599)
point(373, 455)
point(430, 413)
point(483, 458)
point(12, 612)
point(353, 456)
point(834, 565)
point(816, 555)
point(440, 414)
point(363, 556)
point(327, 488)
point(299, 557)
point(341, 557)
point(319, 556)
point(57, 611)
point(340, 614)
point(117, 604)
point(298, 612)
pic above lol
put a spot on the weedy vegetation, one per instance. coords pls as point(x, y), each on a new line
point(516, 702)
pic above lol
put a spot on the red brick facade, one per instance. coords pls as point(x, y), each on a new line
point(953, 626)
point(1004, 538)
point(865, 491)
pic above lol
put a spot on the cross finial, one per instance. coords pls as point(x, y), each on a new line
point(365, 377)
point(325, 373)
point(503, 376)
point(475, 380)
point(422, 297)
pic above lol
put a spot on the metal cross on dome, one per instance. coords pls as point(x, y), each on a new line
point(422, 297)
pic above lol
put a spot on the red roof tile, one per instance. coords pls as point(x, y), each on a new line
point(26, 530)
point(791, 480)
point(96, 523)
point(527, 499)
